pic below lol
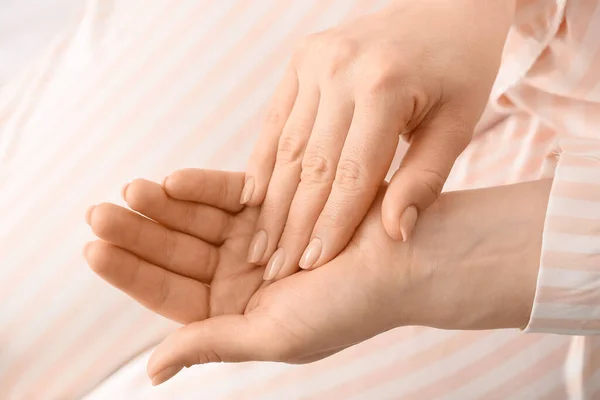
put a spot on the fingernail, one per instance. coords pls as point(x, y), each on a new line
point(124, 191)
point(311, 254)
point(88, 215)
point(408, 219)
point(166, 374)
point(258, 246)
point(248, 191)
point(85, 248)
point(274, 265)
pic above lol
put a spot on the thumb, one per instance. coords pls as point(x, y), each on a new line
point(422, 175)
point(226, 338)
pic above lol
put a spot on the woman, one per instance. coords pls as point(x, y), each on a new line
point(368, 79)
point(167, 106)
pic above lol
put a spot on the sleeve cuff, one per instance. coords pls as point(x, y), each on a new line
point(567, 299)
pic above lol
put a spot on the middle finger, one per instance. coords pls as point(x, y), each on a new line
point(286, 175)
point(318, 172)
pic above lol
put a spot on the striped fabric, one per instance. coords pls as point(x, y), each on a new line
point(141, 88)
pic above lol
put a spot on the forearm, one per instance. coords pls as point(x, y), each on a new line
point(481, 252)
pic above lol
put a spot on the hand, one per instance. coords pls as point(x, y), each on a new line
point(421, 69)
point(190, 266)
point(440, 279)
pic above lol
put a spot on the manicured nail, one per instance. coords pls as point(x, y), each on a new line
point(274, 265)
point(124, 191)
point(166, 374)
point(248, 191)
point(85, 248)
point(311, 254)
point(408, 219)
point(258, 246)
point(88, 215)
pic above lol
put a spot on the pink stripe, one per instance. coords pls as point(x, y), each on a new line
point(478, 368)
point(575, 190)
point(411, 364)
point(562, 325)
point(18, 369)
point(573, 296)
point(545, 365)
point(570, 261)
point(353, 354)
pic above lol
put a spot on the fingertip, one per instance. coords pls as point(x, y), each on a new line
point(247, 191)
point(124, 191)
point(312, 254)
point(88, 215)
point(407, 222)
point(393, 230)
point(86, 247)
point(390, 219)
point(165, 374)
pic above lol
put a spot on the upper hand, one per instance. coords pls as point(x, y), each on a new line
point(420, 69)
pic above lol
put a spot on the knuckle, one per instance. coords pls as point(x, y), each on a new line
point(213, 261)
point(316, 169)
point(294, 229)
point(434, 182)
point(332, 216)
point(224, 192)
point(289, 149)
point(270, 208)
point(381, 73)
point(304, 46)
point(162, 291)
point(339, 52)
point(350, 175)
point(189, 217)
point(169, 247)
point(274, 116)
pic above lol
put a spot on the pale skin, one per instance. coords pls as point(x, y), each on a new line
point(471, 264)
point(422, 70)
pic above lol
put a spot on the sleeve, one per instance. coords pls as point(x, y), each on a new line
point(567, 299)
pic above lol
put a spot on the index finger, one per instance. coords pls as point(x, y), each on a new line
point(364, 162)
point(262, 160)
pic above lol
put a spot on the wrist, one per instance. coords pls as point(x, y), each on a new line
point(476, 254)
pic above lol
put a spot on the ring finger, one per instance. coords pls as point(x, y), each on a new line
point(318, 172)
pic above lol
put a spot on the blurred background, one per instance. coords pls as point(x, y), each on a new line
point(27, 27)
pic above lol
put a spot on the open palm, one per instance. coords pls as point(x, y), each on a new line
point(185, 258)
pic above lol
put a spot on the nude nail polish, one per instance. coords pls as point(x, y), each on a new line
point(124, 191)
point(88, 215)
point(408, 219)
point(86, 248)
point(166, 374)
point(248, 191)
point(258, 246)
point(274, 265)
point(311, 254)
